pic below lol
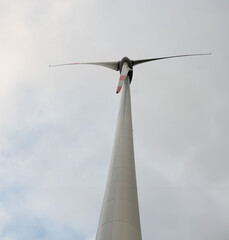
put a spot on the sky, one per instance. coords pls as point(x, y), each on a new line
point(57, 125)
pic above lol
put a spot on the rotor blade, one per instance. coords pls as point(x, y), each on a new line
point(111, 65)
point(136, 62)
point(124, 72)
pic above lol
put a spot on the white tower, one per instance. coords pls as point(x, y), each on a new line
point(119, 218)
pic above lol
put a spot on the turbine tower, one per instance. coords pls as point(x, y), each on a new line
point(119, 219)
point(120, 213)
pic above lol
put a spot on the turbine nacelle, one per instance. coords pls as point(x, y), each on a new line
point(125, 60)
point(125, 66)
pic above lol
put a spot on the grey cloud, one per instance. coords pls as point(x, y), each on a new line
point(57, 125)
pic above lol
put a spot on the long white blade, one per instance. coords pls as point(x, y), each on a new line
point(124, 72)
point(111, 65)
point(136, 62)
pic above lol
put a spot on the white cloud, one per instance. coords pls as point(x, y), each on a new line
point(5, 218)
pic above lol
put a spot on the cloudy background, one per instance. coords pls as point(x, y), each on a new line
point(57, 124)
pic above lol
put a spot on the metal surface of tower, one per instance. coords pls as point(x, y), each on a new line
point(119, 218)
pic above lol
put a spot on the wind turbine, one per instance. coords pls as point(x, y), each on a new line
point(119, 219)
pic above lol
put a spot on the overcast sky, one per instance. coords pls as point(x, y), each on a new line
point(57, 125)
